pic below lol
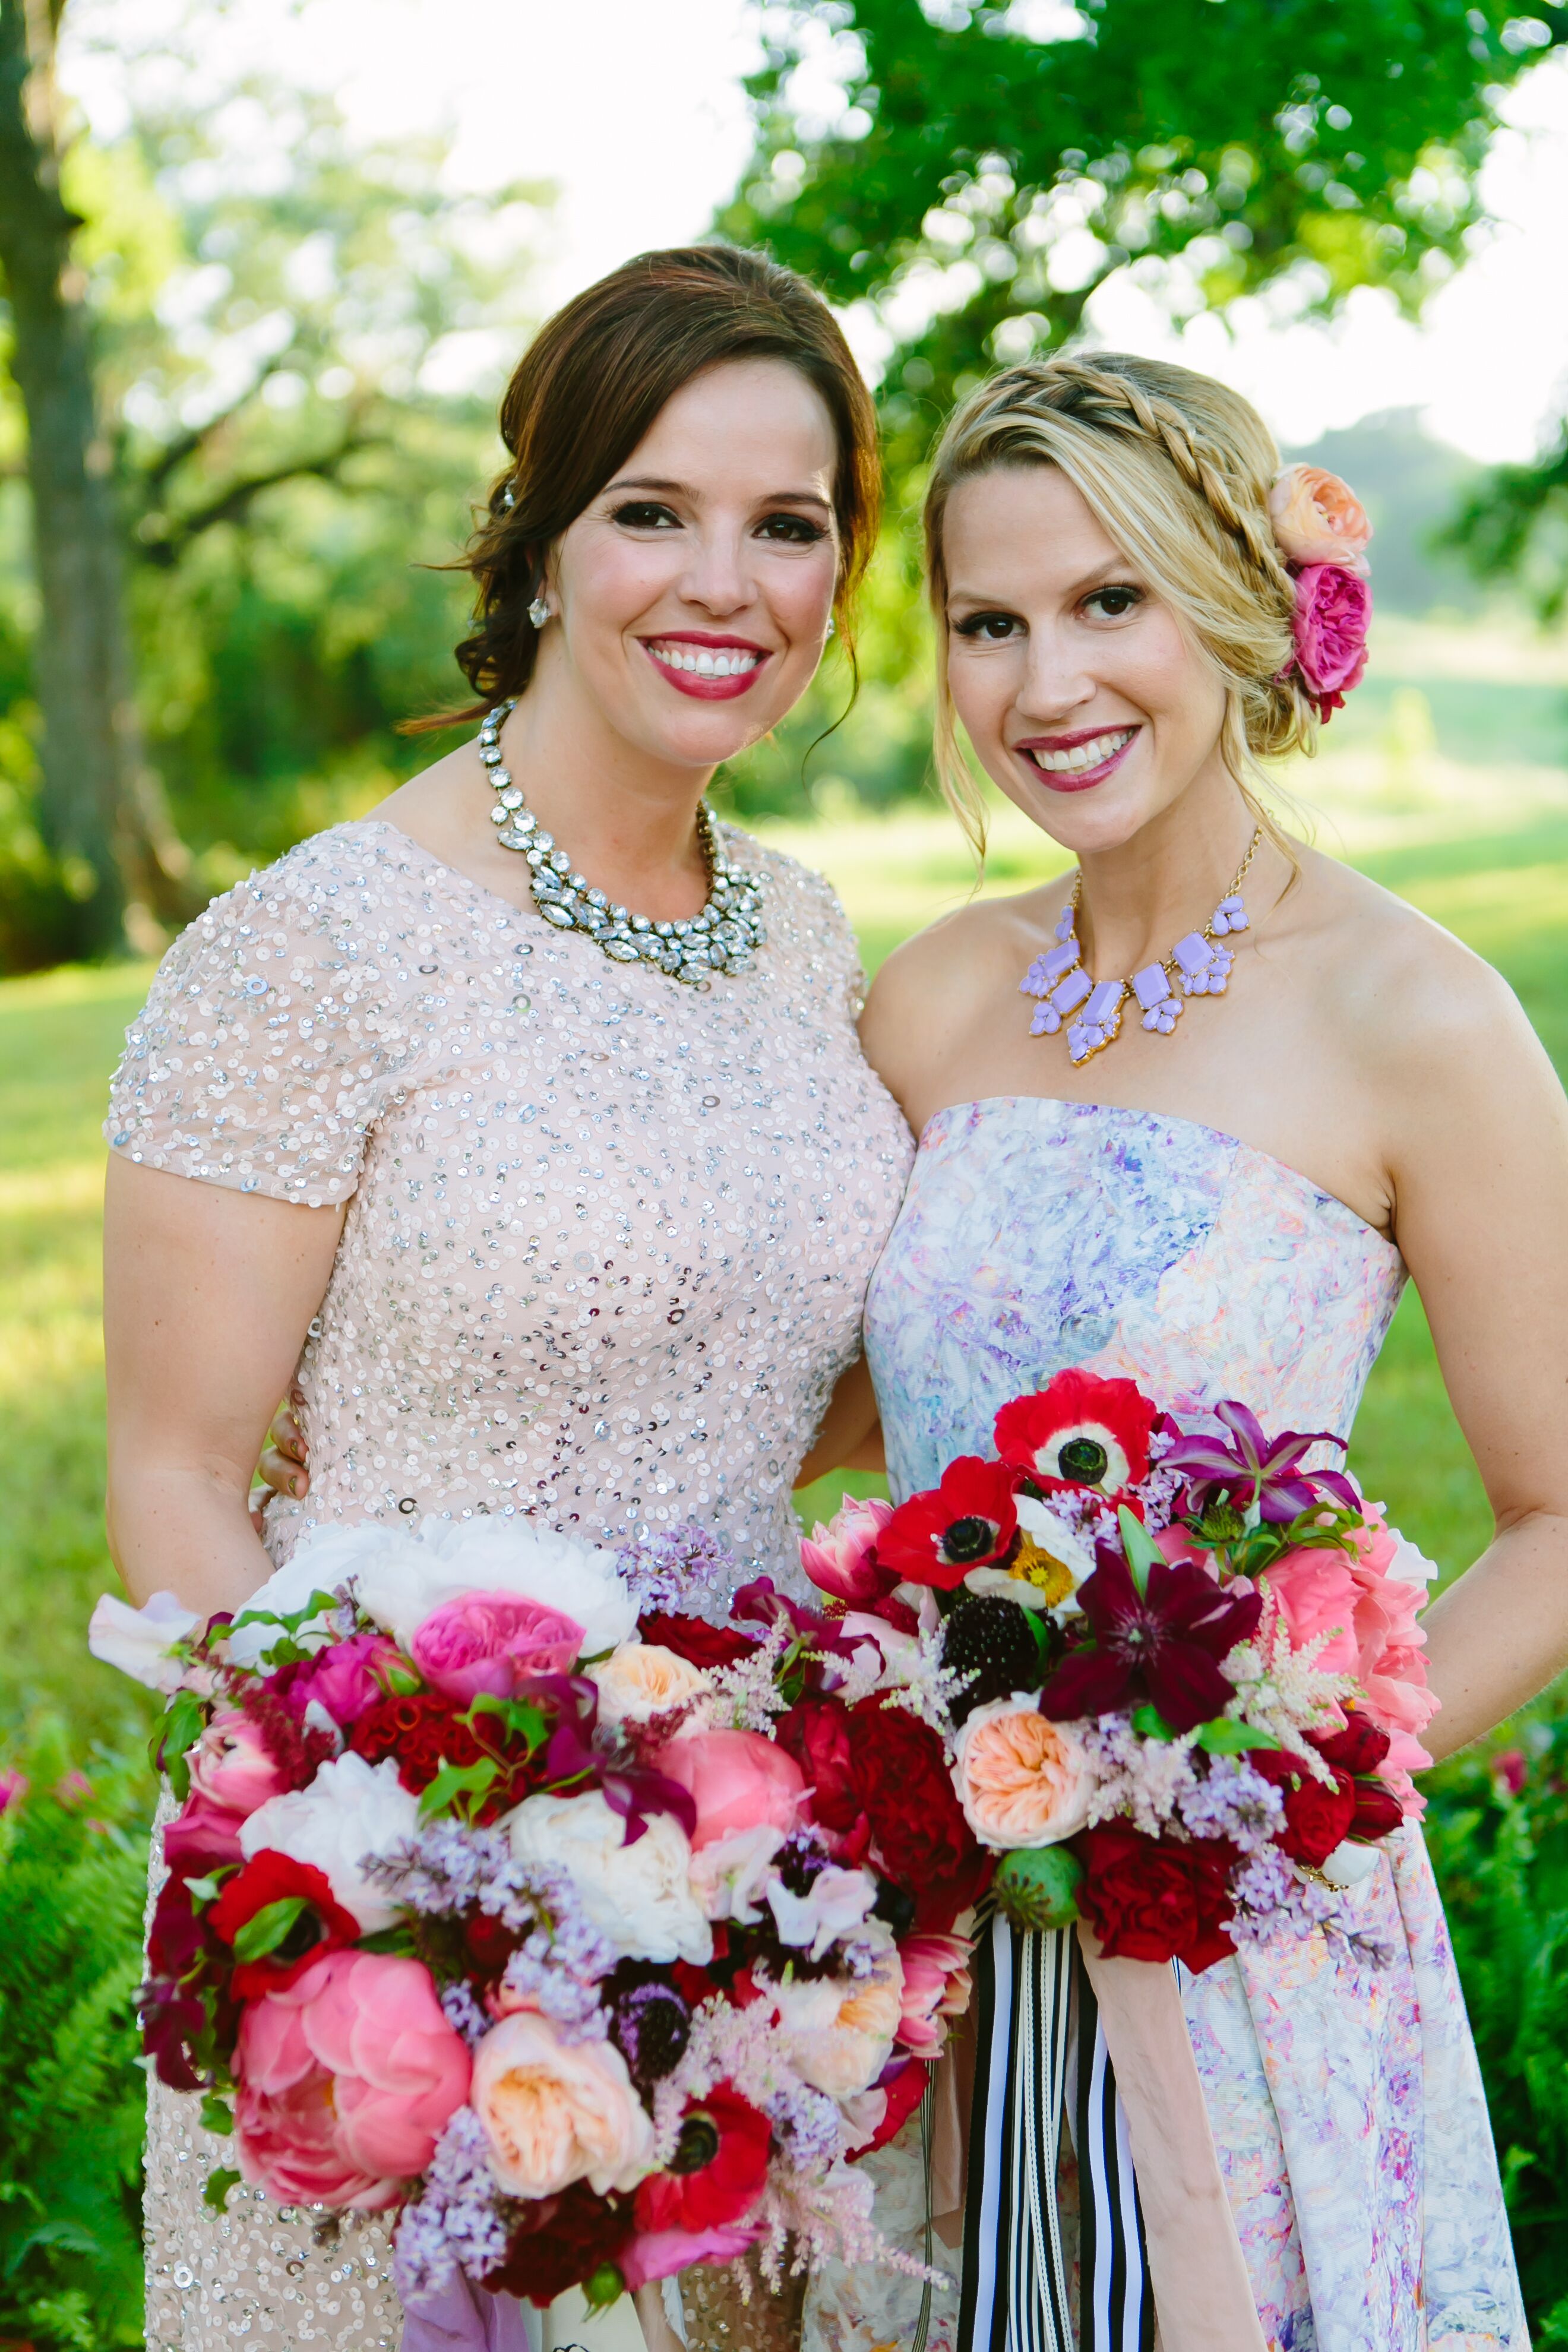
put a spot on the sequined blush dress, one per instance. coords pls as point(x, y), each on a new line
point(1349, 2116)
point(605, 1256)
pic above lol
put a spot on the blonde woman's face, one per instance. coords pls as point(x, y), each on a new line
point(1086, 701)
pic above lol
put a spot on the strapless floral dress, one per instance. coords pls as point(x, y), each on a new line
point(1347, 2110)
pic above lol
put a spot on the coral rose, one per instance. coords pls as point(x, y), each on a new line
point(838, 2031)
point(233, 1767)
point(736, 1779)
point(554, 2112)
point(1021, 1779)
point(642, 1679)
point(490, 1643)
point(1317, 518)
point(346, 2080)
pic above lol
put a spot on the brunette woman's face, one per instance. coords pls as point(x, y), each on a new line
point(1087, 702)
point(694, 594)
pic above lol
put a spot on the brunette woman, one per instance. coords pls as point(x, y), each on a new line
point(522, 1126)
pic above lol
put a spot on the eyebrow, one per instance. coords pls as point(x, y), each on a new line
point(1115, 567)
point(682, 489)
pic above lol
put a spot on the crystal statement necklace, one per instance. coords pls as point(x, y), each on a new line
point(1197, 965)
point(724, 938)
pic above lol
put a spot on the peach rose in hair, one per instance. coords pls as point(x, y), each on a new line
point(1317, 518)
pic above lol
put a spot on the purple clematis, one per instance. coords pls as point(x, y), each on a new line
point(1162, 1645)
point(1258, 1469)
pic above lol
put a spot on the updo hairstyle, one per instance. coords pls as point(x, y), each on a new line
point(1177, 469)
point(589, 387)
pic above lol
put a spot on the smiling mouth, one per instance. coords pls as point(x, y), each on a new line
point(1069, 767)
point(710, 672)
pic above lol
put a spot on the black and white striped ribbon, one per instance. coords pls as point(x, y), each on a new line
point(1029, 1990)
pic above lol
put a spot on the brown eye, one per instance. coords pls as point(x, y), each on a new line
point(989, 628)
point(643, 514)
point(1113, 603)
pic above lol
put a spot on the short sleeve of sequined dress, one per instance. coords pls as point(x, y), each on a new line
point(270, 1044)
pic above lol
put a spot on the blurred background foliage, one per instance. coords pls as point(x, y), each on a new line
point(295, 343)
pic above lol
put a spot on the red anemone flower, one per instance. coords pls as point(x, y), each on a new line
point(969, 1521)
point(1162, 1645)
point(1079, 1431)
point(719, 2169)
point(318, 1923)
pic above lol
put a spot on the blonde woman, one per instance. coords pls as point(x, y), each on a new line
point(1226, 1204)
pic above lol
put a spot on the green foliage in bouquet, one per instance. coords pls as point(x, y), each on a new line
point(72, 2095)
point(1498, 1831)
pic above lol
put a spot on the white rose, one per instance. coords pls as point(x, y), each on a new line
point(137, 1640)
point(639, 1897)
point(642, 1679)
point(838, 2032)
point(409, 1574)
point(351, 1811)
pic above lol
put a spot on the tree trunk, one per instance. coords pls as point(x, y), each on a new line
point(102, 812)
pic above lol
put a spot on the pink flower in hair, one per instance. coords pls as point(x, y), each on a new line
point(1317, 518)
point(1333, 606)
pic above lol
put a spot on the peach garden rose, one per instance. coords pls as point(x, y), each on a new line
point(554, 2112)
point(1317, 518)
point(1022, 1780)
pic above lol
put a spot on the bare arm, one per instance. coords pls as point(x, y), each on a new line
point(207, 1296)
point(850, 1437)
point(1481, 1190)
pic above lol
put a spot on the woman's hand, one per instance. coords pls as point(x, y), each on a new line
point(284, 1466)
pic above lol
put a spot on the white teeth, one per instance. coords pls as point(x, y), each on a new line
point(703, 663)
point(1083, 755)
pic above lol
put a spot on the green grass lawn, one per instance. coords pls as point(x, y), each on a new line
point(1484, 850)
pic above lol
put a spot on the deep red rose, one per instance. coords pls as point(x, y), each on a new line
point(901, 1780)
point(558, 2243)
point(694, 1639)
point(1317, 1818)
point(732, 2140)
point(1078, 1430)
point(1378, 1811)
point(323, 1927)
point(969, 1521)
point(1360, 1746)
point(1146, 1901)
point(816, 1732)
point(421, 1731)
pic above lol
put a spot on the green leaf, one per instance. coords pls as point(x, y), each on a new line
point(218, 2185)
point(1142, 1551)
point(268, 1927)
point(522, 1721)
point(179, 1728)
point(453, 1782)
point(208, 1889)
point(1224, 1738)
point(400, 1942)
point(218, 2115)
point(1151, 1724)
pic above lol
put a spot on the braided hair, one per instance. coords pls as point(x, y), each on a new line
point(1178, 469)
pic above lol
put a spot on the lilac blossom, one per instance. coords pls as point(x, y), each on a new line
point(457, 2222)
point(1232, 1800)
point(463, 2013)
point(1274, 1898)
point(688, 1570)
point(540, 1980)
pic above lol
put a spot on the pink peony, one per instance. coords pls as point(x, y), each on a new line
point(1372, 1617)
point(1333, 605)
point(346, 2080)
point(555, 2111)
point(201, 1837)
point(1317, 518)
point(840, 1557)
point(737, 1780)
point(660, 2253)
point(232, 1766)
point(936, 1986)
point(490, 1642)
point(344, 1679)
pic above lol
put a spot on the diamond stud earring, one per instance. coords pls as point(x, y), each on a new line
point(539, 611)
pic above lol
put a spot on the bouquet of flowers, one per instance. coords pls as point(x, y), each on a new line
point(1186, 1678)
point(592, 1936)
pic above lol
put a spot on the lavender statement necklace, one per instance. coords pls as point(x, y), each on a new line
point(1198, 965)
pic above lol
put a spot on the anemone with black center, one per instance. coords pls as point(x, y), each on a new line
point(968, 1541)
point(1083, 1459)
point(992, 1640)
point(894, 1908)
point(698, 2144)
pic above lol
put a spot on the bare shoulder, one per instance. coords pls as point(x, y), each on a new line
point(931, 990)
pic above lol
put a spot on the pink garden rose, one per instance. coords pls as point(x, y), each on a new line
point(936, 1986)
point(344, 1679)
point(232, 1766)
point(346, 2080)
point(1333, 606)
point(1317, 518)
point(555, 2111)
point(840, 1559)
point(490, 1642)
point(737, 1780)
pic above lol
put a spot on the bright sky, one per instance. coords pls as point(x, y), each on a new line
point(634, 108)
